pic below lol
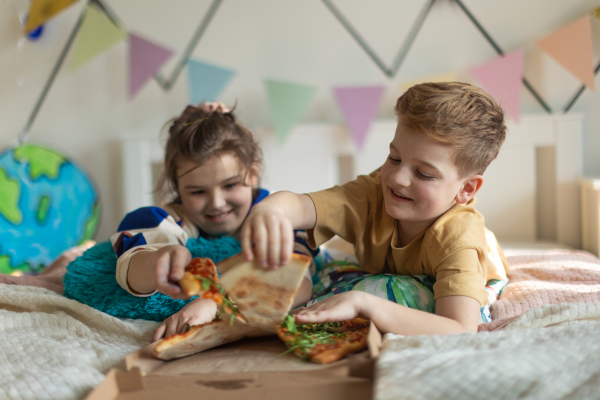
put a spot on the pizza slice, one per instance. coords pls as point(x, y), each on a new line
point(203, 337)
point(324, 343)
point(201, 278)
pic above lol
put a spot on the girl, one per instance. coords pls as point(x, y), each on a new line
point(212, 165)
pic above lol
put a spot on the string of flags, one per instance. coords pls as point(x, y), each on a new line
point(570, 46)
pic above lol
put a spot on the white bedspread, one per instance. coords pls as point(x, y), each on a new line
point(55, 348)
point(550, 352)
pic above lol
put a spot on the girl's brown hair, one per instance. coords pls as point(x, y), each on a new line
point(460, 115)
point(197, 135)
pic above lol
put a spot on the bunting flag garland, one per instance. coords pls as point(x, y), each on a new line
point(41, 11)
point(596, 13)
point(448, 77)
point(207, 81)
point(572, 47)
point(288, 102)
point(97, 34)
point(502, 78)
point(145, 59)
point(359, 107)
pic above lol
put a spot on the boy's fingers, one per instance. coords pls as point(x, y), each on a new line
point(171, 327)
point(260, 243)
point(179, 259)
point(162, 274)
point(246, 242)
point(273, 241)
point(287, 241)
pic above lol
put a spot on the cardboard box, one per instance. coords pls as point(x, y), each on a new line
point(252, 368)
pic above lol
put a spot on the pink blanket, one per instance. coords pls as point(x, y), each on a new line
point(545, 277)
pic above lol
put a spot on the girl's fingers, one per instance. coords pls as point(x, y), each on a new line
point(171, 326)
point(159, 332)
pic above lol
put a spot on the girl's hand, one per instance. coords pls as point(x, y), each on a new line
point(199, 311)
point(337, 308)
point(272, 235)
point(169, 268)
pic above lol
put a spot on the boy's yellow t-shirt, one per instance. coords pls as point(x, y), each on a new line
point(457, 249)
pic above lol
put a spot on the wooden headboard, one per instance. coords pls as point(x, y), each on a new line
point(530, 191)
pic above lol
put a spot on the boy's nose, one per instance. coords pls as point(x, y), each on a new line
point(401, 176)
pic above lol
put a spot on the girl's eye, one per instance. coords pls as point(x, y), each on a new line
point(198, 192)
point(231, 185)
point(424, 176)
point(393, 160)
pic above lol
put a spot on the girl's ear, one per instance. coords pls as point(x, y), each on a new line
point(252, 176)
point(469, 188)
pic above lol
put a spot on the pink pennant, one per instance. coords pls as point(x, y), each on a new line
point(359, 107)
point(572, 47)
point(145, 59)
point(502, 78)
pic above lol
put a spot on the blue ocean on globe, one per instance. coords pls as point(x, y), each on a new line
point(47, 205)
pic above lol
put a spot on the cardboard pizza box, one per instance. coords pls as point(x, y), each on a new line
point(251, 368)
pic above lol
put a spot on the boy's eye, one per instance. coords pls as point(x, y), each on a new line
point(231, 185)
point(198, 192)
point(424, 176)
point(394, 160)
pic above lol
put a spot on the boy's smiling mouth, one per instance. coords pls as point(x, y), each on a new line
point(397, 196)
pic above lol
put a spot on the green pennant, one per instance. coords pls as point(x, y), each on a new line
point(97, 34)
point(288, 102)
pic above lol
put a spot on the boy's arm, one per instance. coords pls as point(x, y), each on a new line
point(268, 231)
point(454, 314)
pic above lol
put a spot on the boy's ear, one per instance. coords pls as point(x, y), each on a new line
point(469, 188)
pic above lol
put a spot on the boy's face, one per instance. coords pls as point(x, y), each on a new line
point(419, 179)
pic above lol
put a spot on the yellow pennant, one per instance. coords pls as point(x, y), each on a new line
point(41, 11)
point(596, 13)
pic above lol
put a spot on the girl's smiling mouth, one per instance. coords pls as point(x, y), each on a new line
point(219, 216)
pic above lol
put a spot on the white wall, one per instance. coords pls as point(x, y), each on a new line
point(86, 113)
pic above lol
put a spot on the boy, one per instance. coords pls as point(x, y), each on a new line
point(413, 216)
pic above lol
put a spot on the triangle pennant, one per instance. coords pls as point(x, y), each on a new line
point(359, 106)
point(572, 47)
point(288, 102)
point(502, 78)
point(596, 12)
point(145, 59)
point(97, 34)
point(207, 81)
point(41, 11)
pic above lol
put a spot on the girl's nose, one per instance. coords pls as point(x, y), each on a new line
point(217, 200)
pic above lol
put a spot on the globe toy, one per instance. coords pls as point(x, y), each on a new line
point(47, 205)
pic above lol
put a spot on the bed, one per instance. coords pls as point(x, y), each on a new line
point(543, 342)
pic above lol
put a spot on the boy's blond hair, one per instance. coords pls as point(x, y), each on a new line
point(460, 115)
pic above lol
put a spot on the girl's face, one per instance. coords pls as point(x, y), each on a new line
point(214, 195)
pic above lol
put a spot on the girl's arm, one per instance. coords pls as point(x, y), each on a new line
point(454, 314)
point(268, 231)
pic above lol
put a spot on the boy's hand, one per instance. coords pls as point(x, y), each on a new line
point(169, 268)
point(272, 235)
point(199, 311)
point(340, 307)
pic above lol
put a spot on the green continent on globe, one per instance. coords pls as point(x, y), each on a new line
point(9, 198)
point(42, 161)
point(42, 210)
point(5, 267)
point(91, 224)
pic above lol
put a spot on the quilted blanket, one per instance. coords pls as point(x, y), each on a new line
point(55, 348)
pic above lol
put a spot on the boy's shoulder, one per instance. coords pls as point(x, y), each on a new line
point(460, 227)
